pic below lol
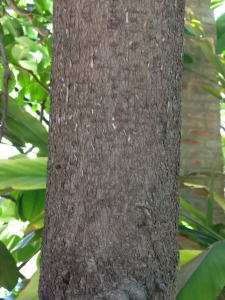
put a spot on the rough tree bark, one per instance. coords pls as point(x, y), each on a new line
point(112, 189)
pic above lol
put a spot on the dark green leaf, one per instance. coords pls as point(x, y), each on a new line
point(188, 59)
point(33, 203)
point(199, 237)
point(25, 126)
point(9, 273)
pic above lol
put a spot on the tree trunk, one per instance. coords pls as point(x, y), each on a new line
point(112, 189)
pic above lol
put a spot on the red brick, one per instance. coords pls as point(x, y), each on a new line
point(202, 115)
point(192, 123)
point(192, 163)
point(201, 153)
point(189, 142)
point(203, 133)
point(200, 192)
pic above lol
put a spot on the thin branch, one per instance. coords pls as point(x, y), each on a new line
point(25, 13)
point(9, 197)
point(42, 110)
point(7, 76)
point(34, 76)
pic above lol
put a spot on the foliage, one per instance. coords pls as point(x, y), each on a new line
point(27, 40)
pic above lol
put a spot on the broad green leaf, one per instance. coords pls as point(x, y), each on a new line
point(28, 64)
point(14, 27)
point(220, 26)
point(19, 215)
point(220, 44)
point(37, 93)
point(23, 174)
point(203, 276)
point(25, 41)
point(33, 202)
point(24, 79)
point(209, 88)
point(36, 223)
point(9, 273)
point(8, 208)
point(26, 253)
point(19, 52)
point(30, 291)
point(25, 126)
point(187, 255)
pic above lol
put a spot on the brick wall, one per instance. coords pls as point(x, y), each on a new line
point(201, 143)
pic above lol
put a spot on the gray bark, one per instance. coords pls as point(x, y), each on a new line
point(112, 190)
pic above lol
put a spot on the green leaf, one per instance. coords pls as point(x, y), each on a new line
point(14, 27)
point(203, 276)
point(193, 211)
point(19, 52)
point(25, 126)
point(217, 62)
point(8, 208)
point(220, 44)
point(216, 3)
point(26, 253)
point(30, 291)
point(33, 203)
point(36, 223)
point(209, 88)
point(187, 255)
point(29, 64)
point(197, 236)
point(37, 93)
point(9, 273)
point(24, 242)
point(188, 31)
point(187, 59)
point(203, 227)
point(23, 174)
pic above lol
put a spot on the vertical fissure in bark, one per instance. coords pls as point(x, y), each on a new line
point(112, 189)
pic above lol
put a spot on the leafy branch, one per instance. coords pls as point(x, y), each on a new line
point(25, 13)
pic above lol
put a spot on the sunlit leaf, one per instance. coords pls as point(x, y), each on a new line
point(30, 291)
point(203, 276)
point(23, 174)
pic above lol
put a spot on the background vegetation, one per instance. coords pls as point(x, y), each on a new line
point(26, 32)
